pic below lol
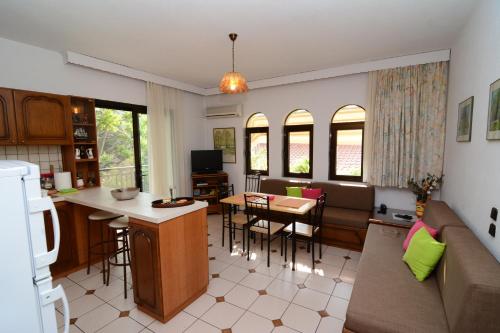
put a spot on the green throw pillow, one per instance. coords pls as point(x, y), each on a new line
point(294, 191)
point(423, 254)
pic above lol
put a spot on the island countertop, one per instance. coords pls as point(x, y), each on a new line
point(139, 207)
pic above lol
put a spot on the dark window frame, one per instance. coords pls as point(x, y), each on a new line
point(248, 151)
point(287, 129)
point(136, 110)
point(334, 128)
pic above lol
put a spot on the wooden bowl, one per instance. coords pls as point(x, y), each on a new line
point(179, 202)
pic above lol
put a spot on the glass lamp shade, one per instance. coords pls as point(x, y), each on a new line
point(233, 83)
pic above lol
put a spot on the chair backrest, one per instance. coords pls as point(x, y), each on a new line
point(318, 210)
point(226, 191)
point(274, 186)
point(439, 216)
point(469, 281)
point(348, 196)
point(257, 205)
point(252, 182)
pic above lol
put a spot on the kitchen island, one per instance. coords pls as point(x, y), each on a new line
point(168, 247)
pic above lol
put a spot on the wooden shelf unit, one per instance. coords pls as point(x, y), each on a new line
point(83, 117)
point(206, 188)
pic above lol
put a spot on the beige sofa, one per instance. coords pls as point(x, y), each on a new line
point(347, 210)
point(462, 295)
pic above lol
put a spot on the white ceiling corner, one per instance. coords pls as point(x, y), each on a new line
point(106, 66)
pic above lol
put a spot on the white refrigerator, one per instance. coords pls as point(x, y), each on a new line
point(26, 293)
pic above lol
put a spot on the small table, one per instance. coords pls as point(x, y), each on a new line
point(388, 219)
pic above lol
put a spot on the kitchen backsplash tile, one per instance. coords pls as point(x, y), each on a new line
point(44, 156)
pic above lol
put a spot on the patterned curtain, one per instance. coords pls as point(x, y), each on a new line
point(408, 106)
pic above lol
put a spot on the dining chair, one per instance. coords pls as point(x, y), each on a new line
point(252, 182)
point(309, 233)
point(258, 206)
point(238, 220)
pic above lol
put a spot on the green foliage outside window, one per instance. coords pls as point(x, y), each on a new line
point(301, 166)
point(259, 160)
point(116, 147)
point(115, 138)
point(355, 172)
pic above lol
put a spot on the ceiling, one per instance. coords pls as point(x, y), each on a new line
point(186, 40)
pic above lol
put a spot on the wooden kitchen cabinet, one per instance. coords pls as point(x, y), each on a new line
point(169, 263)
point(146, 271)
point(42, 118)
point(8, 135)
point(68, 257)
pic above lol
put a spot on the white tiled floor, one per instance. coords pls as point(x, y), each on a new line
point(242, 296)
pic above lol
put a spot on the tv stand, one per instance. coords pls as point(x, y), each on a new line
point(206, 188)
point(203, 173)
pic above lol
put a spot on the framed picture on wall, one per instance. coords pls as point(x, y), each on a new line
point(464, 123)
point(494, 112)
point(224, 139)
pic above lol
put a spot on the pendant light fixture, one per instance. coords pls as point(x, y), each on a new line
point(233, 82)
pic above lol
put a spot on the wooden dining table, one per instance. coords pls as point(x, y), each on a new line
point(289, 208)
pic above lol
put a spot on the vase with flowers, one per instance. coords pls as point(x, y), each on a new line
point(423, 190)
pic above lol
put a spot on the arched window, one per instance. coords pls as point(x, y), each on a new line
point(257, 144)
point(346, 143)
point(298, 141)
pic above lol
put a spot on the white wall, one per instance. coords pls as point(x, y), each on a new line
point(32, 68)
point(472, 170)
point(28, 67)
point(194, 131)
point(322, 98)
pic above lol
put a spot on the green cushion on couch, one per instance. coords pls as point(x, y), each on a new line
point(423, 254)
point(294, 191)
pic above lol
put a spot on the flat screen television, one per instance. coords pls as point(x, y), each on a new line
point(206, 160)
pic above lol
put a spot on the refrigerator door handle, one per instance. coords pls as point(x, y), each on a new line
point(39, 205)
point(53, 295)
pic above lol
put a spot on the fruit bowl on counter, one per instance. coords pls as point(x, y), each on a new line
point(126, 193)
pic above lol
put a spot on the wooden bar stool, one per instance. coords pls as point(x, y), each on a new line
point(100, 217)
point(119, 227)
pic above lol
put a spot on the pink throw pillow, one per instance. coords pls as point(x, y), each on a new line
point(311, 193)
point(419, 224)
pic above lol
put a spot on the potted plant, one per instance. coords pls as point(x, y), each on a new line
point(423, 190)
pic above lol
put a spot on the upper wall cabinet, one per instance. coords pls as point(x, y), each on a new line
point(8, 134)
point(42, 118)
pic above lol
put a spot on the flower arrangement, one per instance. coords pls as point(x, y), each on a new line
point(423, 189)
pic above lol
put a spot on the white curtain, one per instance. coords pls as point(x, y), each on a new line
point(408, 116)
point(167, 163)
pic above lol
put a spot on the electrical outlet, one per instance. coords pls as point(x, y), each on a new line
point(494, 213)
point(492, 230)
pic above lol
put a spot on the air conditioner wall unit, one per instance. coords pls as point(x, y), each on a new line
point(224, 111)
